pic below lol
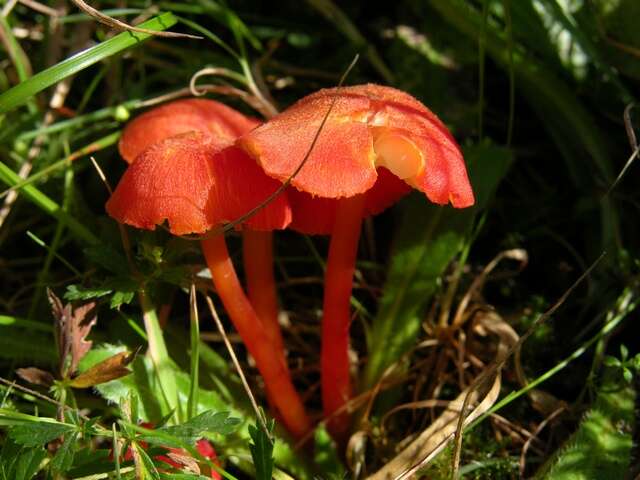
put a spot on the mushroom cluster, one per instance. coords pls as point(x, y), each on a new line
point(199, 164)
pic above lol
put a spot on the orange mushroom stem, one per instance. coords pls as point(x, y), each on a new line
point(257, 255)
point(376, 144)
point(194, 182)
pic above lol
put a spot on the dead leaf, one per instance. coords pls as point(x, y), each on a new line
point(110, 369)
point(36, 376)
point(185, 461)
point(71, 329)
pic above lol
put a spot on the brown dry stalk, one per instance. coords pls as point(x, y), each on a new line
point(534, 436)
point(118, 24)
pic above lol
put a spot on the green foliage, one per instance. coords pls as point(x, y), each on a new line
point(601, 447)
point(262, 450)
point(25, 90)
point(36, 434)
point(326, 456)
point(18, 462)
point(188, 432)
point(65, 454)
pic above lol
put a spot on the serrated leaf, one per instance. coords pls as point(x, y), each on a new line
point(38, 433)
point(64, 456)
point(75, 292)
point(110, 369)
point(120, 298)
point(28, 463)
point(192, 430)
point(262, 451)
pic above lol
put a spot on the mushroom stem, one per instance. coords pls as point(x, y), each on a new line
point(270, 362)
point(257, 251)
point(334, 362)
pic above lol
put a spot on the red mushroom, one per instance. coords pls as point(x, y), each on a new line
point(372, 131)
point(224, 124)
point(194, 183)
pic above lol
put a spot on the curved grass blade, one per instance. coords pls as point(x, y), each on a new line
point(21, 93)
point(47, 205)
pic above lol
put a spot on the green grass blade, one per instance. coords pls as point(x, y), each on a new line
point(93, 147)
point(192, 403)
point(47, 205)
point(25, 90)
point(160, 357)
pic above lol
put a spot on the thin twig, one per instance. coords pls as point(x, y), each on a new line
point(101, 174)
point(6, 10)
point(534, 436)
point(115, 23)
point(39, 7)
point(29, 391)
point(635, 148)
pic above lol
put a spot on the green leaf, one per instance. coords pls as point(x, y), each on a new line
point(148, 468)
point(262, 451)
point(120, 298)
point(191, 431)
point(602, 445)
point(64, 456)
point(76, 292)
point(29, 463)
point(624, 352)
point(46, 204)
point(38, 433)
point(22, 92)
point(325, 455)
point(611, 361)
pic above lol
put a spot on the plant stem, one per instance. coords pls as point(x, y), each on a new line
point(257, 249)
point(334, 362)
point(159, 356)
point(270, 362)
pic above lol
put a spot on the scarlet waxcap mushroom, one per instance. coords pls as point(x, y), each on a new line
point(193, 184)
point(194, 114)
point(370, 126)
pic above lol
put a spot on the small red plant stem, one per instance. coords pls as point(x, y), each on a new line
point(338, 282)
point(270, 362)
point(257, 254)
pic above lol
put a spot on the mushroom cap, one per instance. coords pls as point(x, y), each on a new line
point(370, 126)
point(194, 184)
point(181, 116)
